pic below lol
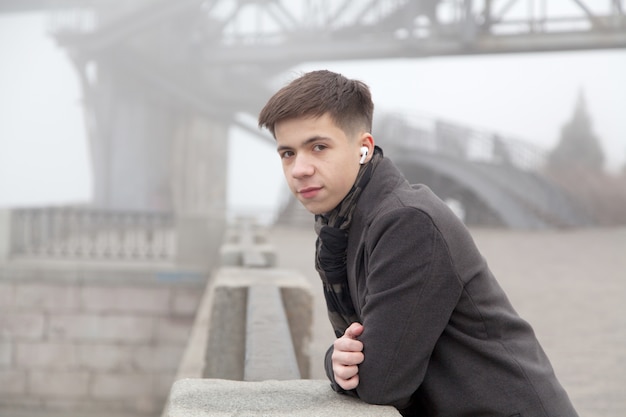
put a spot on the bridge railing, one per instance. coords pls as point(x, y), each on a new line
point(408, 132)
point(74, 233)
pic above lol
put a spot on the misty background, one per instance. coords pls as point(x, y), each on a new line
point(104, 263)
point(44, 158)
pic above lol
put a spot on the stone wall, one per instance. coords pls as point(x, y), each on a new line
point(92, 341)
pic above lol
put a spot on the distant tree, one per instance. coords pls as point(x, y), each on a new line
point(579, 147)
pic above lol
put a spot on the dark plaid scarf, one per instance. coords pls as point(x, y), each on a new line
point(330, 255)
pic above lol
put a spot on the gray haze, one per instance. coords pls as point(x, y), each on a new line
point(44, 159)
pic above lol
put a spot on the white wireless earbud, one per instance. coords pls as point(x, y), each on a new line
point(364, 152)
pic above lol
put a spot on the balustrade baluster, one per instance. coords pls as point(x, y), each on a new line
point(78, 233)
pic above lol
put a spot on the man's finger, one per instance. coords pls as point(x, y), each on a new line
point(354, 330)
point(348, 358)
point(348, 345)
point(348, 384)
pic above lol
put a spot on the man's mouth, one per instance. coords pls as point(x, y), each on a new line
point(309, 192)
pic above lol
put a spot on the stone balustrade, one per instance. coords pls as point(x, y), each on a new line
point(81, 233)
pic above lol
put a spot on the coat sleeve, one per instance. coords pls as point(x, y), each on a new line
point(411, 292)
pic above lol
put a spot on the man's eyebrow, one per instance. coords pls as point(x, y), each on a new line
point(306, 142)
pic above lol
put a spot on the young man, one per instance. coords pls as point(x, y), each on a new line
point(421, 323)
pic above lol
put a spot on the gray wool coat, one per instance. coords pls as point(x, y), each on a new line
point(440, 336)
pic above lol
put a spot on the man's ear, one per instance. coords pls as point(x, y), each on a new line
point(367, 141)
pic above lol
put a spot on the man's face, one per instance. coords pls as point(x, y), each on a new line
point(320, 161)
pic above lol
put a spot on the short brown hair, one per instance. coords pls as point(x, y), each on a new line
point(348, 102)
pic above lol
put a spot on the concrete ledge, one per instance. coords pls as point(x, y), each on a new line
point(251, 256)
point(226, 342)
point(270, 352)
point(297, 398)
point(246, 245)
point(216, 347)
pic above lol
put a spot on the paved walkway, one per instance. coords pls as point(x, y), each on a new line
point(570, 285)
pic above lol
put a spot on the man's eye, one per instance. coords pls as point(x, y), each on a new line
point(319, 147)
point(286, 154)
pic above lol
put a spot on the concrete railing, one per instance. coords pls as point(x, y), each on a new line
point(248, 350)
point(245, 245)
point(80, 234)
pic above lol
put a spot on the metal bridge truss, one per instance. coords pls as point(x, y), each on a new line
point(231, 48)
point(217, 57)
point(313, 30)
point(252, 31)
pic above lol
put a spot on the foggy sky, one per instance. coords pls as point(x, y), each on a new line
point(43, 151)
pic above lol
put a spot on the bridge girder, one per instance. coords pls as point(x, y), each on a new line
point(247, 42)
point(287, 31)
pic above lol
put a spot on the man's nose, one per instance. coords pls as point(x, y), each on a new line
point(302, 166)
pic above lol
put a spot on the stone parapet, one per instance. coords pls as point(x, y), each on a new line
point(248, 354)
point(246, 245)
point(297, 398)
point(216, 347)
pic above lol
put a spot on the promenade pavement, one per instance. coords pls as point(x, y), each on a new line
point(569, 284)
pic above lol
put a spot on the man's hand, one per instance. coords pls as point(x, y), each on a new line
point(347, 355)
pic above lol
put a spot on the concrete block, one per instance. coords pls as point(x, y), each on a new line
point(47, 297)
point(243, 277)
point(14, 405)
point(193, 361)
point(267, 252)
point(298, 398)
point(173, 330)
point(5, 234)
point(125, 299)
point(298, 304)
point(269, 350)
point(6, 354)
point(45, 355)
point(297, 300)
point(185, 302)
point(78, 407)
point(252, 258)
point(12, 382)
point(163, 384)
point(74, 384)
point(231, 254)
point(225, 350)
point(92, 327)
point(107, 357)
point(237, 254)
point(21, 326)
point(157, 357)
point(7, 296)
point(116, 386)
